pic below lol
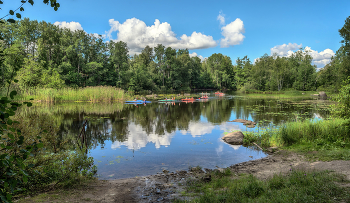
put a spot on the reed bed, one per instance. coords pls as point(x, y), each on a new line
point(73, 107)
point(319, 132)
point(91, 94)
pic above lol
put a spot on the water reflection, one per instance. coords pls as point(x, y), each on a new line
point(138, 138)
point(129, 140)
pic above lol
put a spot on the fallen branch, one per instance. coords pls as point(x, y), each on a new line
point(258, 146)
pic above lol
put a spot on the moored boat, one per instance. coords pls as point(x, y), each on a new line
point(167, 100)
point(138, 101)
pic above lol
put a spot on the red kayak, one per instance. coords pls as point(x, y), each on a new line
point(188, 99)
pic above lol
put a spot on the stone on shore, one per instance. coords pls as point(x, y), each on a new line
point(234, 138)
point(322, 95)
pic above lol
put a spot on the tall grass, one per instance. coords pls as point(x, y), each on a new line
point(72, 107)
point(319, 132)
point(92, 94)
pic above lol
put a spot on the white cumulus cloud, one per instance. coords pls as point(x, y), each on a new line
point(320, 59)
point(138, 35)
point(233, 33)
point(70, 25)
point(194, 54)
point(221, 18)
point(285, 49)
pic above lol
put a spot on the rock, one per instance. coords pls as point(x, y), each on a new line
point(322, 95)
point(221, 170)
point(207, 178)
point(272, 149)
point(235, 138)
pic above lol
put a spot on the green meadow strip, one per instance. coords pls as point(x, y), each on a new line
point(92, 94)
point(297, 186)
point(279, 94)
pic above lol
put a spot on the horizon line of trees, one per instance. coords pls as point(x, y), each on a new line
point(48, 56)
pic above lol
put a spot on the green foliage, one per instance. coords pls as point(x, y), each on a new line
point(333, 74)
point(342, 108)
point(322, 134)
point(297, 186)
point(53, 4)
point(77, 59)
point(13, 170)
point(345, 34)
point(32, 156)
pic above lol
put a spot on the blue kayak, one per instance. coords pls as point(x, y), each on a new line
point(138, 101)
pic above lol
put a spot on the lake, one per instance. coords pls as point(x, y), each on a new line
point(128, 140)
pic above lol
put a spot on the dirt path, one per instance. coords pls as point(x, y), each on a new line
point(164, 187)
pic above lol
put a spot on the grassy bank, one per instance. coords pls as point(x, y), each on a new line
point(92, 94)
point(280, 94)
point(297, 186)
point(331, 138)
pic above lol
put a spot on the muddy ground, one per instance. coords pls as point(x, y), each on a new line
point(165, 186)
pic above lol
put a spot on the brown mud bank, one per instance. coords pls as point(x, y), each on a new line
point(167, 186)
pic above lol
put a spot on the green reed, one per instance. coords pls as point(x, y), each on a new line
point(92, 94)
point(332, 131)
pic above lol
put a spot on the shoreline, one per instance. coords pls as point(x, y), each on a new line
point(167, 186)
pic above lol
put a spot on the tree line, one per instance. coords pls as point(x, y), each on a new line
point(51, 57)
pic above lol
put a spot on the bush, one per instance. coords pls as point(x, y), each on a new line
point(342, 109)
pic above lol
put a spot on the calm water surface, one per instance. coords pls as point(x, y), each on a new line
point(135, 140)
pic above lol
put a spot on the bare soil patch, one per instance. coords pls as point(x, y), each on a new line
point(165, 186)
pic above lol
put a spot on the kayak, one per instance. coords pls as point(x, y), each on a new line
point(219, 93)
point(202, 99)
point(167, 100)
point(187, 99)
point(138, 101)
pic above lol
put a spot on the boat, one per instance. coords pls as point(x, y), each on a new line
point(167, 100)
point(203, 98)
point(219, 93)
point(191, 99)
point(137, 101)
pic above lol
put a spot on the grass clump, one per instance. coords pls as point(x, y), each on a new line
point(331, 138)
point(297, 186)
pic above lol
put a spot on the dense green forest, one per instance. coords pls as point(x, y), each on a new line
point(47, 56)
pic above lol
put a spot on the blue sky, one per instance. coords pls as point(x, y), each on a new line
point(233, 28)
